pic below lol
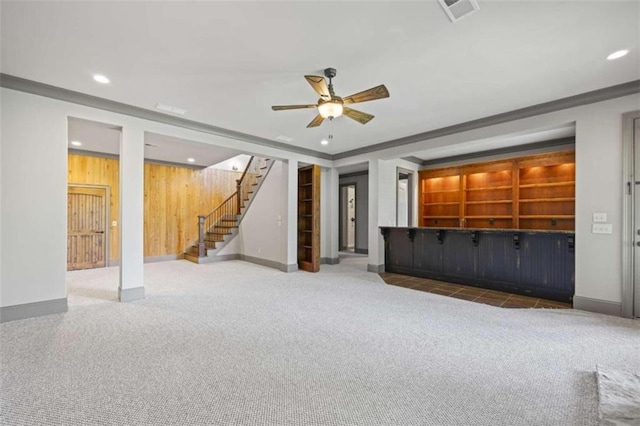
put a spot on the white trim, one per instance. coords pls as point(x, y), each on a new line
point(35, 309)
point(629, 194)
point(595, 305)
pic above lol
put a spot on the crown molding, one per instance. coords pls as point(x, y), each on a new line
point(29, 86)
point(552, 143)
point(600, 95)
point(36, 88)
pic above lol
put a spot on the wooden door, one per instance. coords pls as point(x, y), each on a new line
point(86, 227)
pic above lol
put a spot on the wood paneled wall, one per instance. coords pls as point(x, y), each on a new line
point(85, 170)
point(173, 199)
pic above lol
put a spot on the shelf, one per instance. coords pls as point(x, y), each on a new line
point(548, 216)
point(548, 185)
point(309, 218)
point(442, 204)
point(490, 202)
point(532, 188)
point(440, 191)
point(546, 200)
point(489, 188)
point(489, 217)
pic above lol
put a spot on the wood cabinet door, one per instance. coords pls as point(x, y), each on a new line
point(86, 227)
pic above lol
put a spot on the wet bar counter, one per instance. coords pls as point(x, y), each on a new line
point(533, 263)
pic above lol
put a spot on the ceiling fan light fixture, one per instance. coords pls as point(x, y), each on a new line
point(330, 109)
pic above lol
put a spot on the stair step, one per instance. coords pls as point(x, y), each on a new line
point(230, 222)
point(225, 227)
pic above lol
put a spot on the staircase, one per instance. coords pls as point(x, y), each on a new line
point(221, 225)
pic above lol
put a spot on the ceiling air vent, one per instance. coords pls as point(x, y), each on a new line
point(458, 9)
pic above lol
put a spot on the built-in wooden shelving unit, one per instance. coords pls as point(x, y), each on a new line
point(309, 218)
point(533, 192)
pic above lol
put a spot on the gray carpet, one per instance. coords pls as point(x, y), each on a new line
point(238, 344)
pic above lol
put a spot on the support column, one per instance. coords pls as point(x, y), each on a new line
point(376, 243)
point(291, 209)
point(131, 285)
point(329, 206)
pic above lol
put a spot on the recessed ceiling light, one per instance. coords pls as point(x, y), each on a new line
point(324, 142)
point(618, 54)
point(101, 79)
point(191, 160)
point(76, 143)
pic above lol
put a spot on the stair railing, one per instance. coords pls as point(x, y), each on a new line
point(231, 207)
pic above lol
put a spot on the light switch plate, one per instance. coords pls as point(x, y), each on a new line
point(599, 217)
point(601, 228)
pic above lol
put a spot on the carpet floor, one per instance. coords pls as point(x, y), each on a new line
point(234, 343)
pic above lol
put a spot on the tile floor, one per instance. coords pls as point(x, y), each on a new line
point(474, 294)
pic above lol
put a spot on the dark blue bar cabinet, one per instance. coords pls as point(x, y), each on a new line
point(532, 263)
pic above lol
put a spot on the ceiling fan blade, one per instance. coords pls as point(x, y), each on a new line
point(284, 107)
point(319, 84)
point(316, 121)
point(359, 116)
point(372, 94)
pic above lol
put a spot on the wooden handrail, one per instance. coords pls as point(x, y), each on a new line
point(229, 207)
point(246, 168)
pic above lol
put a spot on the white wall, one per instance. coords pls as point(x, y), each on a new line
point(382, 202)
point(33, 179)
point(599, 188)
point(599, 184)
point(34, 193)
point(329, 214)
point(239, 162)
point(34, 165)
point(262, 230)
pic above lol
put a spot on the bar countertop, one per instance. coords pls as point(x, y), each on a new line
point(528, 231)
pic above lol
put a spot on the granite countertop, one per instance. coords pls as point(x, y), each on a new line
point(527, 231)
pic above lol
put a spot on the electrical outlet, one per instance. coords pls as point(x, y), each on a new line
point(599, 217)
point(601, 228)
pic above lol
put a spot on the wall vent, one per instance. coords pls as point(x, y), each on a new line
point(458, 9)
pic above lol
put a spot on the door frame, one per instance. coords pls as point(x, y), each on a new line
point(342, 208)
point(629, 287)
point(410, 194)
point(107, 228)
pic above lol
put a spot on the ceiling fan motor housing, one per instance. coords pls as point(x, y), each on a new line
point(330, 72)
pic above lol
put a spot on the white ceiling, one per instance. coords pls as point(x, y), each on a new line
point(105, 138)
point(228, 62)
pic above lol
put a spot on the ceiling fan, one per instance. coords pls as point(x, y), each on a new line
point(331, 106)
